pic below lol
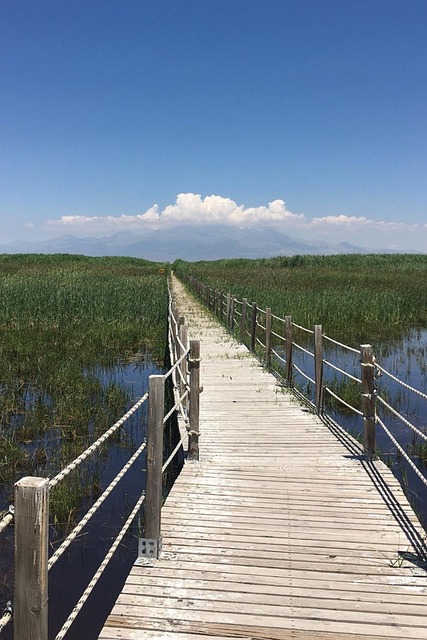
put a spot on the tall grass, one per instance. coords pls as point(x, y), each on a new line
point(358, 298)
point(62, 319)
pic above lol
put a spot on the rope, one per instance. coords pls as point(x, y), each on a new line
point(340, 344)
point(174, 452)
point(261, 326)
point(333, 366)
point(74, 533)
point(407, 386)
point(403, 452)
point(276, 335)
point(298, 326)
point(177, 363)
point(237, 313)
point(398, 415)
point(278, 357)
point(302, 349)
point(259, 342)
point(303, 374)
point(277, 318)
point(100, 571)
point(6, 520)
point(334, 395)
point(6, 616)
point(175, 407)
point(93, 447)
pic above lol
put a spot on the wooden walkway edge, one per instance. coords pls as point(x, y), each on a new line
point(281, 530)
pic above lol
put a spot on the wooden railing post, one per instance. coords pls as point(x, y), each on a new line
point(368, 399)
point(150, 546)
point(268, 336)
point(216, 302)
point(227, 317)
point(253, 326)
point(30, 619)
point(242, 326)
point(194, 408)
point(288, 338)
point(183, 366)
point(232, 309)
point(318, 367)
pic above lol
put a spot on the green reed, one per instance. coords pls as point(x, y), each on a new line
point(62, 318)
point(359, 298)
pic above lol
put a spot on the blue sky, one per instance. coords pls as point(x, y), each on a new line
point(110, 107)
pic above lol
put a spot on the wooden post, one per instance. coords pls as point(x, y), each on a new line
point(216, 302)
point(253, 326)
point(368, 399)
point(151, 546)
point(227, 320)
point(194, 408)
point(243, 319)
point(30, 619)
point(232, 309)
point(268, 337)
point(318, 367)
point(183, 366)
point(288, 337)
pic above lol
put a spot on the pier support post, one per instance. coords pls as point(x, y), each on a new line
point(368, 399)
point(30, 619)
point(150, 546)
point(194, 408)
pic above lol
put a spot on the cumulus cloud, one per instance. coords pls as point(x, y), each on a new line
point(193, 209)
point(189, 208)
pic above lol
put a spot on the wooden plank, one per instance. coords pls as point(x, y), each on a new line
point(280, 531)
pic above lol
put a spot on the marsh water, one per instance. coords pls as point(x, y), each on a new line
point(74, 570)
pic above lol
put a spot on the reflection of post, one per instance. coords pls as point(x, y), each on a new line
point(288, 338)
point(31, 554)
point(153, 491)
point(368, 399)
point(318, 366)
point(194, 408)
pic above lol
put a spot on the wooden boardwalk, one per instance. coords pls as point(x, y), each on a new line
point(280, 531)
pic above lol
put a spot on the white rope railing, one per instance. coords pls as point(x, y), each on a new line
point(176, 406)
point(259, 342)
point(345, 373)
point(278, 356)
point(74, 533)
point(301, 372)
point(402, 418)
point(278, 336)
point(7, 520)
point(298, 326)
point(174, 452)
point(298, 346)
point(340, 344)
point(6, 616)
point(404, 384)
point(343, 402)
point(100, 570)
point(402, 451)
point(90, 450)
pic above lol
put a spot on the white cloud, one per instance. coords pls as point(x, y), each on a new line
point(193, 209)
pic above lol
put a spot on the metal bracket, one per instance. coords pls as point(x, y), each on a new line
point(149, 547)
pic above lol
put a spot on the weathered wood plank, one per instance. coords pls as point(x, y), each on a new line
point(281, 531)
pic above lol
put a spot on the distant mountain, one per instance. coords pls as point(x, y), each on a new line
point(190, 242)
